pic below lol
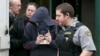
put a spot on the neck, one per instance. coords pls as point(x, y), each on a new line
point(69, 21)
point(12, 13)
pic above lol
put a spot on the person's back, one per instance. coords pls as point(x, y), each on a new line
point(16, 34)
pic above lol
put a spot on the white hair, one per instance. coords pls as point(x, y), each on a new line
point(13, 1)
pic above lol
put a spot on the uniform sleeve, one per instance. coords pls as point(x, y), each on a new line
point(84, 39)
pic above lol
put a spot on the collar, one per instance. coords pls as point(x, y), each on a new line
point(12, 13)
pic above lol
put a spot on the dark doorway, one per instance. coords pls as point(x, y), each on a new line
point(75, 3)
point(51, 5)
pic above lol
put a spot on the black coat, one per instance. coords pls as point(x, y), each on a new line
point(31, 33)
point(36, 50)
point(17, 40)
point(11, 19)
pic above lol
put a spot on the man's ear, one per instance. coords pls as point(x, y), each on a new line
point(67, 14)
point(10, 7)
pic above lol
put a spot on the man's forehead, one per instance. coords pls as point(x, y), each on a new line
point(58, 10)
point(16, 1)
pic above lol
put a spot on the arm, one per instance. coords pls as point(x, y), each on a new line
point(51, 41)
point(86, 53)
point(30, 36)
point(53, 32)
point(53, 44)
point(86, 42)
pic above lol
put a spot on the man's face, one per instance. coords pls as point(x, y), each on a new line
point(15, 7)
point(60, 18)
point(30, 11)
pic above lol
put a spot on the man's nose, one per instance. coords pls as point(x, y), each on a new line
point(19, 7)
point(56, 18)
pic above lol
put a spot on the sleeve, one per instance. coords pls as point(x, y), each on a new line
point(11, 19)
point(85, 39)
point(53, 30)
point(15, 43)
point(53, 44)
point(28, 35)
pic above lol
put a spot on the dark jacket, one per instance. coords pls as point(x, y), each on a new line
point(65, 42)
point(31, 32)
point(11, 19)
point(17, 40)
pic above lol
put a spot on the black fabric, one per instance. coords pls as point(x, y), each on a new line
point(17, 39)
point(67, 47)
point(39, 50)
point(11, 19)
point(42, 29)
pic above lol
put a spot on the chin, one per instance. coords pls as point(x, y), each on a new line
point(59, 24)
point(17, 13)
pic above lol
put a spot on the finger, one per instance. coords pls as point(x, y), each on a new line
point(40, 35)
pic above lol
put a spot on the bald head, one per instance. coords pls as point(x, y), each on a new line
point(15, 6)
point(11, 2)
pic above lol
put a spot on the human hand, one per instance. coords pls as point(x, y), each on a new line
point(48, 37)
point(40, 38)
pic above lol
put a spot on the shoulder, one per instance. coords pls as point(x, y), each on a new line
point(84, 31)
point(10, 14)
point(84, 28)
point(30, 25)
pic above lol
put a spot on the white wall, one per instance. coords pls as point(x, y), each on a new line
point(4, 25)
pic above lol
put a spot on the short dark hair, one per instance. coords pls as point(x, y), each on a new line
point(66, 8)
point(32, 3)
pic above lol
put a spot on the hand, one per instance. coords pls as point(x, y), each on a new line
point(48, 37)
point(39, 39)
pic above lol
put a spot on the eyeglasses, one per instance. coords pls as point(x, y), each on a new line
point(18, 5)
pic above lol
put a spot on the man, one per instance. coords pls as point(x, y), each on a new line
point(14, 9)
point(75, 38)
point(17, 32)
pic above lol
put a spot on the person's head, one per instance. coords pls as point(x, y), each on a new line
point(64, 12)
point(15, 6)
point(42, 16)
point(30, 10)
